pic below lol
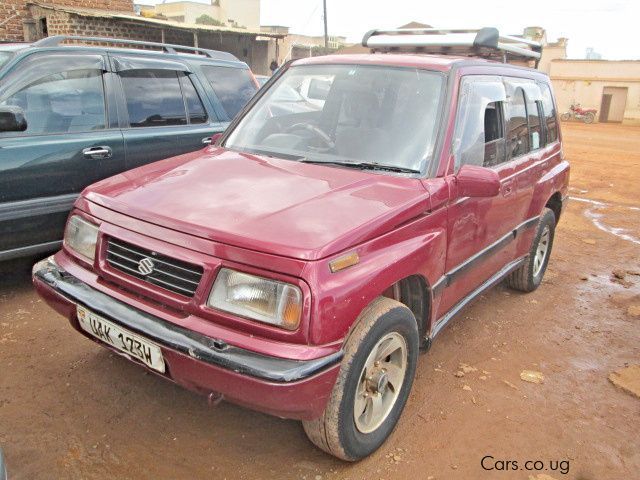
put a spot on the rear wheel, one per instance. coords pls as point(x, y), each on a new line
point(529, 275)
point(373, 384)
point(589, 117)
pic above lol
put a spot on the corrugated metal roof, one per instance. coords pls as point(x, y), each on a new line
point(96, 13)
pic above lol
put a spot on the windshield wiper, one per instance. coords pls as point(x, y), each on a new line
point(362, 165)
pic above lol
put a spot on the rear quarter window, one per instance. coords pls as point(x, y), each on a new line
point(549, 113)
point(234, 87)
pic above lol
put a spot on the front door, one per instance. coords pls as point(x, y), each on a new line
point(478, 228)
point(67, 145)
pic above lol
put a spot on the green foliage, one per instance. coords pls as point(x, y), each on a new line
point(205, 19)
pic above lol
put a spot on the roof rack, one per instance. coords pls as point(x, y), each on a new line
point(57, 40)
point(483, 42)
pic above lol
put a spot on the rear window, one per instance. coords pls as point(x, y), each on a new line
point(234, 87)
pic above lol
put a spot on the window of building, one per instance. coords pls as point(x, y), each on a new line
point(234, 87)
point(549, 110)
point(517, 125)
point(154, 98)
point(69, 101)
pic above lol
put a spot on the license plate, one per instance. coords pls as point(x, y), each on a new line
point(131, 344)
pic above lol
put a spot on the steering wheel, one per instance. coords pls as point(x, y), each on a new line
point(317, 131)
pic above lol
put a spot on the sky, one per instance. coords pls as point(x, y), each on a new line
point(606, 25)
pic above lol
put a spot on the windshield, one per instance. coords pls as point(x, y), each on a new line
point(348, 114)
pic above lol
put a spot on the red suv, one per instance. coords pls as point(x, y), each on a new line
point(298, 266)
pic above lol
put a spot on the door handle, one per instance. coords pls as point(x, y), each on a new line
point(97, 152)
point(207, 140)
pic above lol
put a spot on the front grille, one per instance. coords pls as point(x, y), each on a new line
point(165, 272)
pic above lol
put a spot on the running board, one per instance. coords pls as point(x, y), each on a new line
point(487, 284)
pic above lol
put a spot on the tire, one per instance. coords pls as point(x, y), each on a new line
point(338, 432)
point(589, 117)
point(528, 276)
point(565, 117)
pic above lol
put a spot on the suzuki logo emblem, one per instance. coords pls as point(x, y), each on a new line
point(146, 266)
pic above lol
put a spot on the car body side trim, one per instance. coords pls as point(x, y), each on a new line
point(171, 336)
point(37, 206)
point(30, 250)
point(448, 278)
point(490, 282)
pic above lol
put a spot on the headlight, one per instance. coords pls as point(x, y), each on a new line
point(81, 237)
point(258, 298)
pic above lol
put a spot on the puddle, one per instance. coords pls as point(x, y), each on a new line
point(608, 218)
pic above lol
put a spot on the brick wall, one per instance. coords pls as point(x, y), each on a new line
point(245, 47)
point(14, 14)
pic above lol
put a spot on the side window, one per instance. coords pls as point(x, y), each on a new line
point(234, 87)
point(517, 125)
point(493, 135)
point(479, 134)
point(195, 109)
point(535, 125)
point(154, 98)
point(60, 102)
point(549, 113)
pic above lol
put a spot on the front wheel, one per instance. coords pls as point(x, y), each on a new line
point(589, 117)
point(528, 276)
point(373, 384)
point(565, 117)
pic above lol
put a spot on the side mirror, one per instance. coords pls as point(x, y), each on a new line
point(215, 138)
point(209, 141)
point(475, 181)
point(12, 119)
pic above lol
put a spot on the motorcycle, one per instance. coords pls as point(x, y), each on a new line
point(587, 115)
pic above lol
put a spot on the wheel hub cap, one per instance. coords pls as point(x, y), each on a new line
point(541, 251)
point(380, 382)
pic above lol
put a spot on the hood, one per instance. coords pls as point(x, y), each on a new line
point(270, 205)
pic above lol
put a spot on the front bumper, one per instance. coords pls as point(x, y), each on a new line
point(284, 387)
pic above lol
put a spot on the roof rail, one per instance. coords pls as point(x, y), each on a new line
point(57, 40)
point(483, 42)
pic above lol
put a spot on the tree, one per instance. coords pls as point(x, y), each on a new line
point(205, 19)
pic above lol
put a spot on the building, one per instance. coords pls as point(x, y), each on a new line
point(17, 23)
point(301, 46)
point(233, 13)
point(610, 86)
point(31, 20)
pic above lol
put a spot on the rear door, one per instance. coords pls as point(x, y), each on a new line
point(72, 140)
point(526, 151)
point(164, 111)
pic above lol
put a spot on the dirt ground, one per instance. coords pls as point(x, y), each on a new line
point(69, 409)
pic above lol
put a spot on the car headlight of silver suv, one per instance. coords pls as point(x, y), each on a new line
point(81, 236)
point(262, 299)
